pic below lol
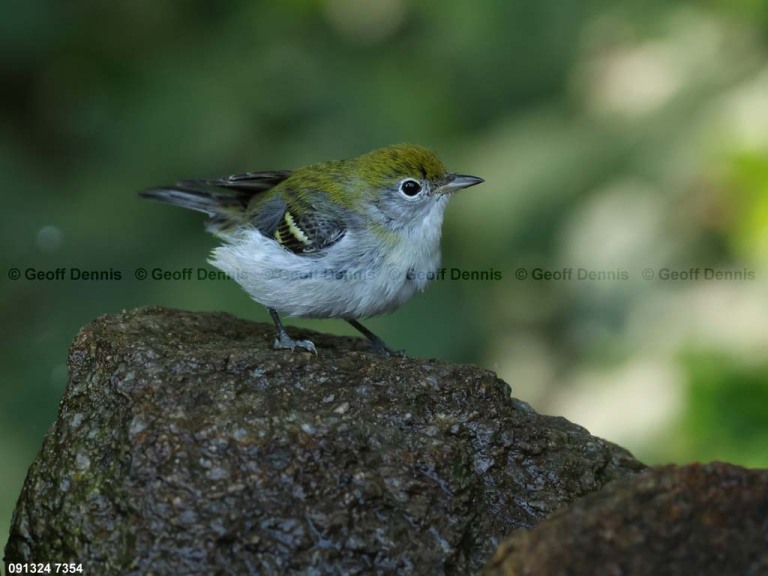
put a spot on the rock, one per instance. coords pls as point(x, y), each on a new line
point(676, 520)
point(185, 444)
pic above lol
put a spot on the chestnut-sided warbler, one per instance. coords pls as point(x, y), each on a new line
point(341, 239)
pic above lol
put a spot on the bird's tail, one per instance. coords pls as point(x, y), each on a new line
point(209, 202)
point(225, 200)
point(227, 209)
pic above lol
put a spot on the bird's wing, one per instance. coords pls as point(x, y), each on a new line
point(308, 232)
point(295, 221)
point(249, 182)
point(290, 218)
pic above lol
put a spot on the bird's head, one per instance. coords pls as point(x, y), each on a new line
point(405, 184)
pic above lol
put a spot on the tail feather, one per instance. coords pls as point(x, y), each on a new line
point(225, 200)
point(209, 202)
point(218, 196)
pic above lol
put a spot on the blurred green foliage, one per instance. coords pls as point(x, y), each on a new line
point(726, 414)
point(614, 136)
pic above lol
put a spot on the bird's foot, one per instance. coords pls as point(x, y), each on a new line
point(377, 344)
point(378, 347)
point(285, 342)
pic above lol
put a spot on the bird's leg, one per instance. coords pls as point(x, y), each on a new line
point(377, 344)
point(283, 341)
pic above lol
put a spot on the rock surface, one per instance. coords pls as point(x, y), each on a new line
point(185, 444)
point(697, 519)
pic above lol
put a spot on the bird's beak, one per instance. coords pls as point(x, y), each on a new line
point(456, 182)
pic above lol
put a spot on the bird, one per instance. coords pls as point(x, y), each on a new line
point(347, 239)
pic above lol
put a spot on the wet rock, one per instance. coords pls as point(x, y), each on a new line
point(185, 444)
point(676, 520)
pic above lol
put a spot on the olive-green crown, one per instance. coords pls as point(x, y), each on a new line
point(400, 160)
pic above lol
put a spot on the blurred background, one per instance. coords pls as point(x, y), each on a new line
point(624, 138)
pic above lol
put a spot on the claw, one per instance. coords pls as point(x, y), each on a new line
point(378, 347)
point(377, 344)
point(285, 342)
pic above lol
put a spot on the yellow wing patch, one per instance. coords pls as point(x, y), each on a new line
point(307, 233)
point(290, 235)
point(294, 229)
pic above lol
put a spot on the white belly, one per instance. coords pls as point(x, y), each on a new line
point(348, 281)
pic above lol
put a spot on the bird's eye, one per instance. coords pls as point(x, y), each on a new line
point(410, 187)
